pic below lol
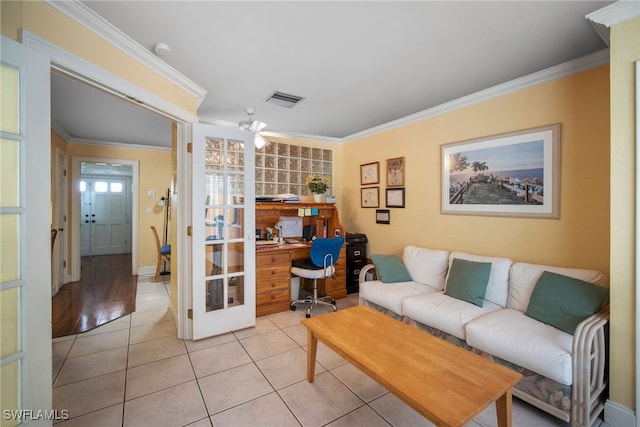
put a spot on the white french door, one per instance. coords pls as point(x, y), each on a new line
point(25, 234)
point(223, 223)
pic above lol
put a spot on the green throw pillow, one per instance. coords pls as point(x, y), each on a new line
point(468, 280)
point(564, 302)
point(390, 269)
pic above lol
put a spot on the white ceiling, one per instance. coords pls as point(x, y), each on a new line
point(358, 64)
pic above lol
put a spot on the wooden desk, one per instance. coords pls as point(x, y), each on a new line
point(444, 383)
point(273, 277)
point(273, 265)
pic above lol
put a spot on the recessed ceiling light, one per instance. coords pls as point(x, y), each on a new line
point(162, 49)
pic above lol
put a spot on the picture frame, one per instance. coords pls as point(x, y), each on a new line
point(370, 197)
point(395, 172)
point(394, 198)
point(370, 173)
point(383, 216)
point(515, 174)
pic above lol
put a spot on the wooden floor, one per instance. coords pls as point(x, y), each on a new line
point(106, 292)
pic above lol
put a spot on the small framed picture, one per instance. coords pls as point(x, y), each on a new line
point(395, 172)
point(370, 197)
point(395, 198)
point(370, 173)
point(383, 216)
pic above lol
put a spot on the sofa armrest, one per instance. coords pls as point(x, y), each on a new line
point(363, 272)
point(589, 369)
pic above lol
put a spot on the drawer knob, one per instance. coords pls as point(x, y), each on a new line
point(273, 297)
point(273, 258)
point(273, 285)
point(273, 272)
point(356, 253)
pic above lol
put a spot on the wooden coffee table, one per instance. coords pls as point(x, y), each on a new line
point(446, 384)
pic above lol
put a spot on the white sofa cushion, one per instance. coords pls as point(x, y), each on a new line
point(524, 277)
point(390, 295)
point(498, 287)
point(444, 312)
point(428, 266)
point(512, 336)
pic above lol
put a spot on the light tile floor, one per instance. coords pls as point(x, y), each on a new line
point(134, 372)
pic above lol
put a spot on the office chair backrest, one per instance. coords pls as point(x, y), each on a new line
point(322, 246)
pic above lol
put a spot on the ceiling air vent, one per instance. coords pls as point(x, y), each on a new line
point(284, 99)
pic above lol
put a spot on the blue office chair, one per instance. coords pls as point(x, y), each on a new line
point(324, 254)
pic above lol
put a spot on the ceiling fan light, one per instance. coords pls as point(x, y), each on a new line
point(257, 126)
point(260, 141)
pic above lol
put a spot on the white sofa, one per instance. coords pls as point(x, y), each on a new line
point(563, 374)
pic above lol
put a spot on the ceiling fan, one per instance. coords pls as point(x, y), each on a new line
point(254, 126)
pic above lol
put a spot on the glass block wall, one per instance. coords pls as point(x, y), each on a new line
point(282, 168)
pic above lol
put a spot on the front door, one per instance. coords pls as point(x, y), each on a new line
point(105, 212)
point(223, 221)
point(25, 234)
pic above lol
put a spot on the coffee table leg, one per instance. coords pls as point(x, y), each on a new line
point(503, 409)
point(312, 347)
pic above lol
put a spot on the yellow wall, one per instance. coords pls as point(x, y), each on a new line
point(578, 239)
point(155, 174)
point(625, 50)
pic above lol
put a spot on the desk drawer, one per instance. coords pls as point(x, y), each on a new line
point(269, 285)
point(266, 260)
point(275, 297)
point(273, 273)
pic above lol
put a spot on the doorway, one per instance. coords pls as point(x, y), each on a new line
point(105, 209)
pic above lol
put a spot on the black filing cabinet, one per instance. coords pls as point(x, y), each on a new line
point(356, 259)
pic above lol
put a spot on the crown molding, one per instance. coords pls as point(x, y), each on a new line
point(565, 69)
point(60, 130)
point(117, 144)
point(96, 24)
point(615, 13)
point(86, 72)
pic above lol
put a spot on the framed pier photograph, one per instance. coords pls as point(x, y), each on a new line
point(512, 174)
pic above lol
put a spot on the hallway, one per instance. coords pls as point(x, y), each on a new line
point(106, 291)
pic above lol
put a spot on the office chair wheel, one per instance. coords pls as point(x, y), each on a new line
point(293, 307)
point(308, 315)
point(333, 302)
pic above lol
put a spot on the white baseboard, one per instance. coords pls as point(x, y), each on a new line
point(147, 270)
point(618, 415)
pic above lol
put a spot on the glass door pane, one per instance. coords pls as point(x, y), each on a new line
point(220, 184)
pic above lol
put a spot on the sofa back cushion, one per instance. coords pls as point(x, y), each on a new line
point(524, 276)
point(498, 287)
point(426, 266)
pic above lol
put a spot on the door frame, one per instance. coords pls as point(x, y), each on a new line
point(75, 67)
point(60, 208)
point(75, 209)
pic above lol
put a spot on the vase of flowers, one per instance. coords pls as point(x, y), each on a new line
point(318, 185)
